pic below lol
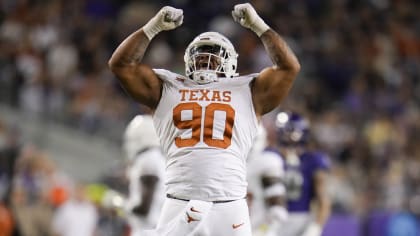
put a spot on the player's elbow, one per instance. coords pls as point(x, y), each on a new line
point(118, 67)
point(294, 68)
point(113, 64)
point(117, 62)
point(291, 69)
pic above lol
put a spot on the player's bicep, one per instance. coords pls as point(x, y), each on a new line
point(141, 83)
point(270, 88)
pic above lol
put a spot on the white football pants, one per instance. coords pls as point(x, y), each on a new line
point(199, 218)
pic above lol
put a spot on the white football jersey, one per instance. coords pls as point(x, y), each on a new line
point(263, 164)
point(206, 132)
point(149, 162)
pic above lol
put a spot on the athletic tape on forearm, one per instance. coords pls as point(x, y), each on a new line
point(151, 29)
point(259, 27)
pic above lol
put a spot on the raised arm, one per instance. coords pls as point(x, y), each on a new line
point(138, 79)
point(273, 83)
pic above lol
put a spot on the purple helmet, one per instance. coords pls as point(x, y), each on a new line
point(292, 129)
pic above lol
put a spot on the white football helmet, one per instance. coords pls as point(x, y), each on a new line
point(209, 56)
point(139, 135)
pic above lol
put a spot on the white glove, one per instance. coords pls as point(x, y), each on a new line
point(246, 15)
point(188, 221)
point(313, 229)
point(167, 18)
point(277, 214)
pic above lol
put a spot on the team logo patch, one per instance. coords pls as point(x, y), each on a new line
point(194, 210)
point(190, 219)
point(235, 226)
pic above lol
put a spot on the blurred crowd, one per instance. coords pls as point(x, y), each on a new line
point(38, 198)
point(359, 86)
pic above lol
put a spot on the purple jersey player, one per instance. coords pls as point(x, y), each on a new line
point(305, 177)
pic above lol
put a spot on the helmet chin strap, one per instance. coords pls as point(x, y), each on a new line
point(204, 77)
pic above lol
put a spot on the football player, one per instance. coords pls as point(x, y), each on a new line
point(145, 173)
point(306, 173)
point(266, 191)
point(206, 119)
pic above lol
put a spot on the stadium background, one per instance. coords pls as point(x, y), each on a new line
point(62, 113)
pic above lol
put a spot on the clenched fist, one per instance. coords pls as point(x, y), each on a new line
point(246, 15)
point(167, 18)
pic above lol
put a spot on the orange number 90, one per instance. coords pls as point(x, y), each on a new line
point(195, 124)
